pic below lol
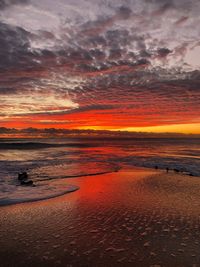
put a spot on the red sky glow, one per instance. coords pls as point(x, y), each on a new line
point(101, 65)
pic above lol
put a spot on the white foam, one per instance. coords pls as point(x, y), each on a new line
point(18, 194)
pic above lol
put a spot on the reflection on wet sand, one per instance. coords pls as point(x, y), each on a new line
point(130, 218)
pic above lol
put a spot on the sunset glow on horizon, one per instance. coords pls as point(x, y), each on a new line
point(183, 128)
point(102, 65)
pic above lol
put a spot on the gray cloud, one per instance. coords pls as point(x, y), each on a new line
point(124, 12)
point(8, 91)
point(163, 52)
point(14, 46)
point(107, 37)
point(8, 3)
point(164, 5)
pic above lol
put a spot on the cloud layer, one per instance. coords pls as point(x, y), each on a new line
point(109, 64)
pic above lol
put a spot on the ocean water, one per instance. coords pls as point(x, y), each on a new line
point(49, 162)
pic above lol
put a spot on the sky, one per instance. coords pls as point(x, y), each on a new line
point(130, 65)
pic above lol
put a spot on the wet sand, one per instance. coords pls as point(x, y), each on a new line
point(135, 217)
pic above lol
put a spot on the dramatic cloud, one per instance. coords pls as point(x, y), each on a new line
point(111, 64)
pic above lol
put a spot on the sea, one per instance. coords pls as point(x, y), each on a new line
point(51, 162)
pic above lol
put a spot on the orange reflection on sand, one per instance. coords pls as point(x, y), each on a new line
point(107, 189)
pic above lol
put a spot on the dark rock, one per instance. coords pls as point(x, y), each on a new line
point(22, 176)
point(176, 170)
point(30, 182)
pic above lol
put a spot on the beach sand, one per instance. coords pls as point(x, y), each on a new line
point(134, 217)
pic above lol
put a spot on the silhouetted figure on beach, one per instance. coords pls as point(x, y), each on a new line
point(167, 169)
point(156, 167)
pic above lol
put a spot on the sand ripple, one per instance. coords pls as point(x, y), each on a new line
point(132, 218)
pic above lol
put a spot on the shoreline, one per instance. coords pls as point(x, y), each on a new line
point(71, 188)
point(134, 217)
